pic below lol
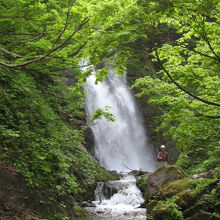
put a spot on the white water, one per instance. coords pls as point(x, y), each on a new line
point(123, 204)
point(121, 146)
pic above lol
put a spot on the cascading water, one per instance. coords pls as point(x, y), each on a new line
point(121, 145)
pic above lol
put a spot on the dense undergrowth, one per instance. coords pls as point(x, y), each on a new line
point(35, 137)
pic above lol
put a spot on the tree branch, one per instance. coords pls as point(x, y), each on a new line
point(198, 114)
point(35, 38)
point(204, 35)
point(76, 52)
point(202, 54)
point(180, 87)
point(32, 34)
point(10, 53)
point(65, 26)
point(18, 66)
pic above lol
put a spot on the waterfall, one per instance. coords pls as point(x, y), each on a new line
point(121, 145)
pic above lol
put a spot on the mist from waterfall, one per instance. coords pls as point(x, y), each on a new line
point(121, 145)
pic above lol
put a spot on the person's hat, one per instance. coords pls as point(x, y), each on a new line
point(162, 146)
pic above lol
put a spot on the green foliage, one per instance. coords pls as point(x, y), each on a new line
point(142, 183)
point(203, 186)
point(42, 96)
point(191, 55)
point(99, 113)
point(167, 210)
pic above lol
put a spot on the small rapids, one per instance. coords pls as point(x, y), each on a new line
point(124, 203)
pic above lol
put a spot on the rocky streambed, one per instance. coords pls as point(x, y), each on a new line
point(120, 199)
point(167, 194)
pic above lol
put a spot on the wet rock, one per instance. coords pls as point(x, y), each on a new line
point(186, 199)
point(173, 188)
point(207, 175)
point(204, 216)
point(161, 177)
point(87, 204)
point(202, 204)
point(89, 141)
point(138, 173)
point(142, 182)
point(109, 189)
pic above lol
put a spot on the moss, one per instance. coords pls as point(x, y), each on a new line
point(103, 175)
point(173, 188)
point(150, 205)
point(186, 199)
point(166, 210)
point(204, 215)
point(204, 186)
point(160, 177)
point(142, 183)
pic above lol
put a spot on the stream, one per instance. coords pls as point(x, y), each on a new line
point(121, 146)
point(119, 200)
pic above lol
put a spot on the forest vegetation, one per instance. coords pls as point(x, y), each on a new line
point(44, 42)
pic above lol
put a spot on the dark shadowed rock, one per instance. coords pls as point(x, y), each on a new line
point(186, 199)
point(204, 216)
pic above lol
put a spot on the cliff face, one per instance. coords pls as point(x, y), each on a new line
point(140, 65)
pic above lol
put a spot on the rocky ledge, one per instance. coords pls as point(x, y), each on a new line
point(171, 195)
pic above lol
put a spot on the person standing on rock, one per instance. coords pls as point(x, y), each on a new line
point(162, 157)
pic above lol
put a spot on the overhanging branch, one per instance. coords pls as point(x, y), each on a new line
point(180, 87)
point(10, 53)
point(199, 114)
point(60, 46)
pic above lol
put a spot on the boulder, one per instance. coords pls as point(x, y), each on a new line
point(204, 215)
point(161, 177)
point(186, 199)
point(202, 204)
point(173, 188)
point(207, 175)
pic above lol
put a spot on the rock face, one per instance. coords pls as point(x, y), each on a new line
point(186, 199)
point(204, 215)
point(140, 65)
point(171, 195)
point(161, 177)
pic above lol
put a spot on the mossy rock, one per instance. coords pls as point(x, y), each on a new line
point(161, 177)
point(150, 205)
point(205, 204)
point(166, 211)
point(173, 188)
point(204, 216)
point(217, 192)
point(142, 183)
point(186, 199)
